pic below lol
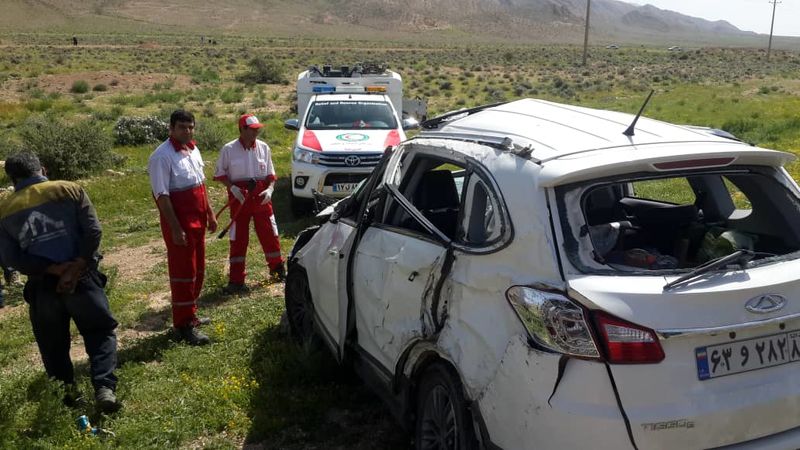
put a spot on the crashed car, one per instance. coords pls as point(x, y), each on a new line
point(537, 275)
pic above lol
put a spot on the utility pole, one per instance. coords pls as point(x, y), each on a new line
point(772, 26)
point(586, 33)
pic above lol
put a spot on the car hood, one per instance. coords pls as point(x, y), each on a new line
point(352, 140)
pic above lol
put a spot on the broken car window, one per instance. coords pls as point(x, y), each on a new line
point(682, 221)
point(433, 187)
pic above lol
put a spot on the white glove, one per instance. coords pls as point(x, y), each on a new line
point(237, 193)
point(266, 194)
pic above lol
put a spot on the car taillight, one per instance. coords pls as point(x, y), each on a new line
point(392, 139)
point(553, 321)
point(310, 141)
point(627, 343)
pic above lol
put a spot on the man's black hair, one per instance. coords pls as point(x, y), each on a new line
point(180, 116)
point(22, 165)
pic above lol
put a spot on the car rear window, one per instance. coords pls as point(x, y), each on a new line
point(643, 222)
point(350, 115)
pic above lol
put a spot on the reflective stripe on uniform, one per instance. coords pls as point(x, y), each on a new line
point(183, 303)
point(182, 280)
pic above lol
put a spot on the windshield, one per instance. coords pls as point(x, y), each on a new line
point(350, 115)
point(676, 223)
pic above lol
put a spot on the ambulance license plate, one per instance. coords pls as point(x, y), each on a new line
point(344, 187)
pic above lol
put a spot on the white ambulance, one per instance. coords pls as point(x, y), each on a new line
point(347, 118)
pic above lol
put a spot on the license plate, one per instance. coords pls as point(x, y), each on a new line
point(746, 355)
point(344, 187)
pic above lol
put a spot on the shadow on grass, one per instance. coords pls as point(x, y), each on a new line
point(32, 415)
point(146, 349)
point(289, 225)
point(305, 399)
point(154, 320)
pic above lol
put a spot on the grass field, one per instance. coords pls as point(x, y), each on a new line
point(253, 385)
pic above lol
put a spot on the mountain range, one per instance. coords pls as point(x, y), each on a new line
point(525, 21)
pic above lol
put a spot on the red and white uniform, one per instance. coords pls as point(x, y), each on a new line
point(240, 165)
point(177, 171)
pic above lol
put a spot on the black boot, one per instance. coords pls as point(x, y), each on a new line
point(106, 400)
point(192, 336)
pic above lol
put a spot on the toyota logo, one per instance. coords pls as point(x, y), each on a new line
point(765, 303)
point(352, 160)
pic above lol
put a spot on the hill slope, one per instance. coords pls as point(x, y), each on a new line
point(516, 20)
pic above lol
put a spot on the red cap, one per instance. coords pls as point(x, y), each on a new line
point(249, 121)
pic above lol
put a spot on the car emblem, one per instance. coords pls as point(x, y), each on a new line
point(765, 303)
point(352, 160)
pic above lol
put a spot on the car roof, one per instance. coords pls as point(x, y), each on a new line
point(572, 142)
point(555, 129)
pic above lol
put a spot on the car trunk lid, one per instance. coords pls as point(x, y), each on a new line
point(728, 371)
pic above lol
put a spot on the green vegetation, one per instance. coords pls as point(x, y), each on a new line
point(254, 385)
point(79, 87)
point(68, 150)
point(263, 71)
point(140, 130)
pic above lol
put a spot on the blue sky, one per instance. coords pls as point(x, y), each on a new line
point(750, 15)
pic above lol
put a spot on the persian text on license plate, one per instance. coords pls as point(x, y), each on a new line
point(746, 355)
point(344, 187)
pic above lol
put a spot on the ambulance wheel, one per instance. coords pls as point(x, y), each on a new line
point(301, 206)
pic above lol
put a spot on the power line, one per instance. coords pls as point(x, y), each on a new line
point(772, 26)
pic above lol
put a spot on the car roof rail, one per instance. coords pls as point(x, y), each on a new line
point(436, 122)
point(503, 143)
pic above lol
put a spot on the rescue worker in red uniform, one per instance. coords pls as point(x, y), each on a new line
point(177, 181)
point(245, 168)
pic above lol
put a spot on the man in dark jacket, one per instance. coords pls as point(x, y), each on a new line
point(49, 231)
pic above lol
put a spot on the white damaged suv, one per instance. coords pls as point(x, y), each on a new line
point(537, 275)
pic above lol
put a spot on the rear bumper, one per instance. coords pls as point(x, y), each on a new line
point(669, 407)
point(518, 411)
point(321, 178)
point(787, 440)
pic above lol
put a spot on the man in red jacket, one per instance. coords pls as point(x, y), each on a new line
point(177, 181)
point(245, 167)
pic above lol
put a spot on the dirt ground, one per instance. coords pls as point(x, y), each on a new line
point(115, 82)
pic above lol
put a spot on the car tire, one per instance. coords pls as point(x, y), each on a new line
point(301, 206)
point(299, 306)
point(443, 421)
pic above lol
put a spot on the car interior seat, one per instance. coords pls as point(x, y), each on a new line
point(602, 206)
point(437, 198)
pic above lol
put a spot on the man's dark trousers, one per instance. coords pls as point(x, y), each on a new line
point(50, 313)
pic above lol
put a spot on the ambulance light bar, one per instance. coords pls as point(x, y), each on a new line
point(350, 89)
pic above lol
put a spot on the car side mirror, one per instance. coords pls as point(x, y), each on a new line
point(292, 124)
point(410, 123)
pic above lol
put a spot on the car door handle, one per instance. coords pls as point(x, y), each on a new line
point(413, 275)
point(333, 251)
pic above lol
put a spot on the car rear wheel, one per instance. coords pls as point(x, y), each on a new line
point(299, 307)
point(443, 421)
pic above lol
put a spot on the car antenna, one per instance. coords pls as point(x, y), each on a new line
point(630, 131)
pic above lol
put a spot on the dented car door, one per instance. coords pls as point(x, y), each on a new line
point(396, 272)
point(399, 260)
